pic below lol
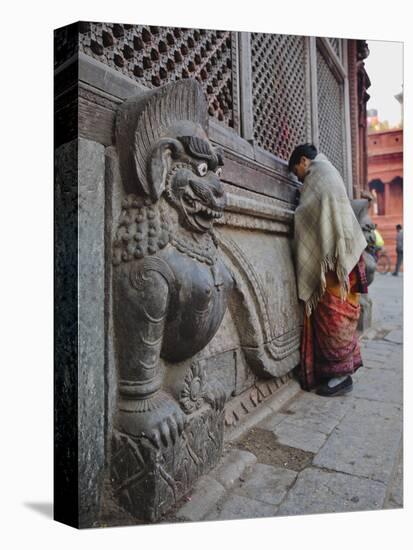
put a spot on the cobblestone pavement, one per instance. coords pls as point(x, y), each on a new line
point(320, 454)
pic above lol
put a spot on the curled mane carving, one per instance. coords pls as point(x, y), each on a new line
point(158, 111)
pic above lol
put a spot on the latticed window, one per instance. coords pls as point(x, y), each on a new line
point(279, 92)
point(336, 45)
point(275, 90)
point(331, 122)
point(154, 56)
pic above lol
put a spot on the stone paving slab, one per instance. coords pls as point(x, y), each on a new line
point(266, 410)
point(306, 423)
point(268, 484)
point(240, 507)
point(233, 466)
point(301, 437)
point(383, 360)
point(374, 358)
point(395, 336)
point(391, 362)
point(206, 493)
point(317, 491)
point(384, 384)
point(365, 442)
point(379, 346)
point(308, 406)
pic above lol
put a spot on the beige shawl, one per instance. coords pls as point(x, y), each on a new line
point(327, 235)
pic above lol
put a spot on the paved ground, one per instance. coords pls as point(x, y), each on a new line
point(319, 454)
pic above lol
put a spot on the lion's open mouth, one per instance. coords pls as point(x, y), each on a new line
point(194, 207)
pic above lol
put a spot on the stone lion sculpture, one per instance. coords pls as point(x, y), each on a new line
point(170, 285)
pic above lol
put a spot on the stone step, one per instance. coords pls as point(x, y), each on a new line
point(210, 489)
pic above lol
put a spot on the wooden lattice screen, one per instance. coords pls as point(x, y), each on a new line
point(330, 114)
point(279, 92)
point(154, 56)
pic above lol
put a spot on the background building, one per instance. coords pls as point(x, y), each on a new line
point(385, 176)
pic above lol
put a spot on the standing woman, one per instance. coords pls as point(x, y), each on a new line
point(328, 246)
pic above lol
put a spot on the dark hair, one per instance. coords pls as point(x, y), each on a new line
point(304, 150)
point(398, 226)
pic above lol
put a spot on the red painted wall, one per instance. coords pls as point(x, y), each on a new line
point(385, 167)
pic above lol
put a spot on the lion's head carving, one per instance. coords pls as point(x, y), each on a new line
point(165, 152)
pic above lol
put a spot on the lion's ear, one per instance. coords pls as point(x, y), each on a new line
point(160, 162)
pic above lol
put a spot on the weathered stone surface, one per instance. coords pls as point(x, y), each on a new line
point(248, 421)
point(206, 493)
point(365, 442)
point(271, 421)
point(170, 293)
point(113, 208)
point(233, 467)
point(148, 480)
point(80, 332)
point(222, 367)
point(267, 484)
point(91, 382)
point(380, 347)
point(387, 295)
point(306, 422)
point(381, 384)
point(264, 283)
point(376, 354)
point(252, 406)
point(317, 491)
point(239, 507)
point(395, 336)
point(300, 436)
point(66, 336)
point(373, 359)
point(284, 395)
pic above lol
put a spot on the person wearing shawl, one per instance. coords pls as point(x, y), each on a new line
point(328, 245)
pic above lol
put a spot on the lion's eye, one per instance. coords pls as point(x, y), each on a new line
point(202, 168)
point(219, 172)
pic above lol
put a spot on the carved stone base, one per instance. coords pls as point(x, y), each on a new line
point(147, 481)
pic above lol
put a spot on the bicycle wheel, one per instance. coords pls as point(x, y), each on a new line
point(383, 264)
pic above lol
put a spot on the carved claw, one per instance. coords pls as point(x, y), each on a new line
point(168, 429)
point(162, 424)
point(215, 395)
point(173, 430)
point(153, 436)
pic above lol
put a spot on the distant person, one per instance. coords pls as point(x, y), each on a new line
point(399, 249)
point(379, 242)
point(328, 246)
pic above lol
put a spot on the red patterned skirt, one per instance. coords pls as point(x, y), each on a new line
point(329, 345)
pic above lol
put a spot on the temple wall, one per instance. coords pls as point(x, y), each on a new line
point(257, 125)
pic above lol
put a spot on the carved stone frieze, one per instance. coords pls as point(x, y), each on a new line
point(147, 480)
point(269, 338)
point(251, 399)
point(193, 389)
